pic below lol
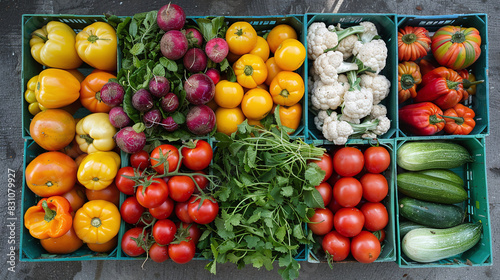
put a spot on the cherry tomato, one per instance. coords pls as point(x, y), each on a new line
point(158, 253)
point(349, 221)
point(181, 211)
point(377, 159)
point(169, 153)
point(375, 187)
point(131, 210)
point(125, 185)
point(140, 160)
point(180, 188)
point(182, 252)
point(326, 164)
point(348, 161)
point(202, 181)
point(164, 231)
point(153, 195)
point(326, 192)
point(321, 222)
point(111, 193)
point(365, 247)
point(197, 158)
point(337, 245)
point(376, 216)
point(76, 197)
point(129, 245)
point(334, 206)
point(194, 230)
point(205, 213)
point(348, 191)
point(164, 210)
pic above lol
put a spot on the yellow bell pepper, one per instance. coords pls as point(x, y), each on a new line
point(30, 96)
point(250, 70)
point(56, 88)
point(95, 133)
point(54, 46)
point(96, 44)
point(291, 116)
point(98, 170)
point(97, 221)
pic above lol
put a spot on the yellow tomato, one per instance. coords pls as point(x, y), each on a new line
point(256, 104)
point(287, 88)
point(290, 55)
point(272, 70)
point(228, 94)
point(250, 70)
point(261, 48)
point(278, 34)
point(241, 37)
point(228, 119)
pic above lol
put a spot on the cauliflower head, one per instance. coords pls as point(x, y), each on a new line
point(336, 131)
point(358, 103)
point(373, 54)
point(327, 96)
point(370, 31)
point(379, 84)
point(319, 39)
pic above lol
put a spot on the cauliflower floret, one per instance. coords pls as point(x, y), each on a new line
point(319, 38)
point(327, 96)
point(373, 54)
point(369, 134)
point(336, 131)
point(328, 65)
point(378, 111)
point(347, 45)
point(383, 125)
point(320, 119)
point(351, 121)
point(370, 31)
point(379, 84)
point(358, 103)
point(344, 81)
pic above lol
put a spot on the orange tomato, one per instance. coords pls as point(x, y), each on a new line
point(76, 197)
point(228, 119)
point(111, 193)
point(72, 150)
point(272, 70)
point(79, 159)
point(278, 34)
point(53, 129)
point(287, 88)
point(250, 70)
point(104, 247)
point(261, 49)
point(66, 244)
point(90, 91)
point(241, 37)
point(228, 94)
point(256, 104)
point(290, 55)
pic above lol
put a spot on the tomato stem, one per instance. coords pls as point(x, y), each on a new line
point(95, 222)
point(248, 70)
point(409, 38)
point(407, 81)
point(284, 93)
point(458, 37)
point(49, 213)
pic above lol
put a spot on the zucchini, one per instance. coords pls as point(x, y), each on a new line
point(433, 189)
point(429, 245)
point(431, 214)
point(406, 226)
point(422, 155)
point(444, 174)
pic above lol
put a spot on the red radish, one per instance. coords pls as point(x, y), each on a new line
point(112, 94)
point(169, 124)
point(173, 44)
point(194, 37)
point(152, 118)
point(214, 74)
point(118, 118)
point(142, 100)
point(217, 49)
point(171, 17)
point(170, 102)
point(159, 86)
point(200, 119)
point(195, 60)
point(199, 89)
point(129, 140)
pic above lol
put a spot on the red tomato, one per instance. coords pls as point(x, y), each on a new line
point(153, 195)
point(375, 187)
point(334, 206)
point(380, 234)
point(334, 178)
point(326, 164)
point(125, 185)
point(348, 191)
point(377, 159)
point(164, 231)
point(197, 158)
point(158, 253)
point(349, 221)
point(140, 160)
point(131, 210)
point(164, 210)
point(326, 192)
point(376, 216)
point(182, 252)
point(181, 211)
point(146, 219)
point(194, 230)
point(129, 245)
point(205, 213)
point(348, 161)
point(180, 188)
point(321, 222)
point(337, 245)
point(202, 181)
point(365, 247)
point(169, 154)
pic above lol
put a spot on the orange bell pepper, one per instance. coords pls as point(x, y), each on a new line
point(459, 120)
point(409, 78)
point(50, 218)
point(90, 92)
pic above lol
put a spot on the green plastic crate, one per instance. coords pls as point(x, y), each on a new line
point(474, 176)
point(31, 250)
point(387, 29)
point(480, 101)
point(388, 253)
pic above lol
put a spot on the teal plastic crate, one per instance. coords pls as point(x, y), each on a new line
point(388, 253)
point(387, 29)
point(31, 250)
point(474, 176)
point(480, 101)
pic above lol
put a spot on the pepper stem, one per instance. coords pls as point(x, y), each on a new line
point(452, 85)
point(49, 213)
point(92, 38)
point(87, 138)
point(95, 222)
point(458, 120)
point(433, 119)
point(248, 70)
point(98, 96)
point(467, 84)
point(44, 38)
point(407, 81)
point(409, 38)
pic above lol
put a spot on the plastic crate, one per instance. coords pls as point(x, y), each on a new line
point(474, 176)
point(31, 250)
point(30, 67)
point(387, 28)
point(480, 101)
point(388, 253)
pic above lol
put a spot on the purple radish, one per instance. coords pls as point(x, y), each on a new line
point(159, 86)
point(214, 74)
point(112, 94)
point(118, 118)
point(169, 124)
point(169, 103)
point(171, 17)
point(217, 49)
point(200, 119)
point(142, 100)
point(173, 44)
point(195, 60)
point(194, 37)
point(129, 140)
point(199, 89)
point(152, 118)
